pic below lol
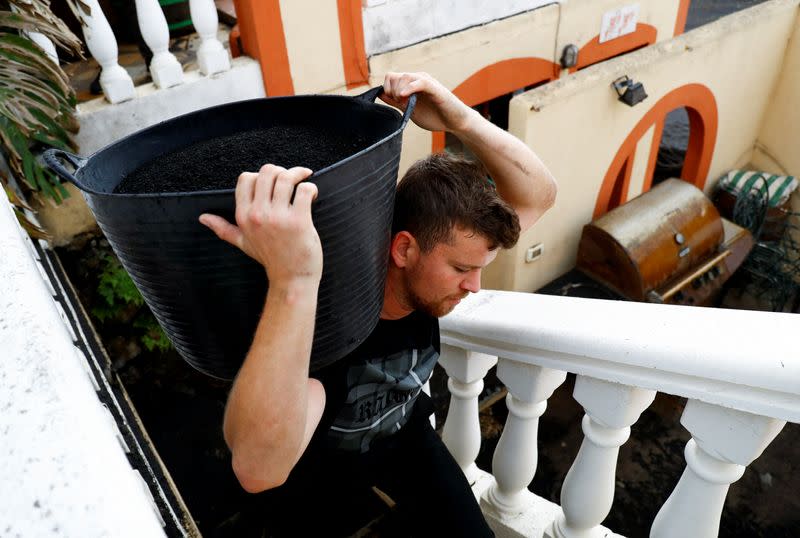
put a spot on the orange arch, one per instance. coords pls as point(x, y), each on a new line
point(499, 79)
point(702, 110)
point(594, 51)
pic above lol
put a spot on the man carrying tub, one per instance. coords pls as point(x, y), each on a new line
point(318, 442)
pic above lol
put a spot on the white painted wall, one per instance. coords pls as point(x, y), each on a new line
point(393, 24)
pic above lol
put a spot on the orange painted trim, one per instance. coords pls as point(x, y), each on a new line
point(499, 79)
point(263, 38)
point(651, 162)
point(619, 191)
point(437, 141)
point(680, 19)
point(234, 43)
point(594, 51)
point(703, 122)
point(351, 34)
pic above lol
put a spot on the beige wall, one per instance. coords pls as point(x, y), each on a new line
point(580, 21)
point(540, 33)
point(577, 125)
point(311, 28)
point(454, 58)
point(777, 148)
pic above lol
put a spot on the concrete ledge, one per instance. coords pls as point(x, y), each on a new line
point(63, 468)
point(103, 123)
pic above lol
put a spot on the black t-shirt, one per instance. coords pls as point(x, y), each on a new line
point(371, 392)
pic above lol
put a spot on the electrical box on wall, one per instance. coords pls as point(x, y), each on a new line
point(534, 253)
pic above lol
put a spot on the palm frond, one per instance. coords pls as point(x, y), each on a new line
point(38, 17)
point(37, 103)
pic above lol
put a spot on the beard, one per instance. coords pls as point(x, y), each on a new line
point(435, 308)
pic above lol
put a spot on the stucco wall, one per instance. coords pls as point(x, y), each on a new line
point(452, 59)
point(577, 125)
point(777, 145)
point(393, 24)
point(540, 33)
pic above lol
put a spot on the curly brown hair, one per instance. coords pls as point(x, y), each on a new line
point(442, 191)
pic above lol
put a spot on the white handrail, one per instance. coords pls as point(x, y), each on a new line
point(738, 359)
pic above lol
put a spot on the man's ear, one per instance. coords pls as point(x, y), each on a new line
point(404, 250)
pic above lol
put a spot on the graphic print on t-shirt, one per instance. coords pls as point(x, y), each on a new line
point(380, 395)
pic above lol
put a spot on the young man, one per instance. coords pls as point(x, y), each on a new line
point(366, 415)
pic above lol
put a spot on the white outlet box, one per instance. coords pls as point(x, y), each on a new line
point(534, 253)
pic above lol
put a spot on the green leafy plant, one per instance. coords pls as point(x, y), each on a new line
point(37, 103)
point(122, 303)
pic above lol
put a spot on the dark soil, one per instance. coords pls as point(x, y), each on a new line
point(217, 163)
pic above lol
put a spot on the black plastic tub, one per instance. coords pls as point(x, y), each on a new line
point(206, 294)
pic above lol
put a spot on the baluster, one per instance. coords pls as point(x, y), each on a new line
point(211, 56)
point(516, 456)
point(44, 42)
point(724, 441)
point(40, 39)
point(115, 82)
point(588, 489)
point(462, 430)
point(165, 69)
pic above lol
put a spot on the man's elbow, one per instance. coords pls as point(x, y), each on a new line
point(549, 193)
point(254, 479)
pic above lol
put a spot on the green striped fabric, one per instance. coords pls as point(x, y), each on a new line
point(779, 187)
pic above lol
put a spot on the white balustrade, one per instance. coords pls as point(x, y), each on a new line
point(115, 82)
point(724, 441)
point(462, 432)
point(165, 69)
point(516, 457)
point(588, 489)
point(211, 56)
point(740, 392)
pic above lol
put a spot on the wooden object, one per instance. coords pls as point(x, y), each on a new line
point(668, 245)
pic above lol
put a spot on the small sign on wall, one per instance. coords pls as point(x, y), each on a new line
point(619, 22)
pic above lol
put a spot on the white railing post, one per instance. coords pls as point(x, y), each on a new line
point(588, 489)
point(462, 430)
point(115, 82)
point(724, 441)
point(165, 69)
point(516, 457)
point(211, 56)
point(47, 46)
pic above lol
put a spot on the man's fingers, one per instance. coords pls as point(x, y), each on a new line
point(285, 184)
point(245, 189)
point(265, 183)
point(306, 193)
point(224, 229)
point(418, 85)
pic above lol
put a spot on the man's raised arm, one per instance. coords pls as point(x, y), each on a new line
point(522, 179)
point(274, 407)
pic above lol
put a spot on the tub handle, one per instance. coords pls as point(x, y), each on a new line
point(373, 93)
point(53, 158)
